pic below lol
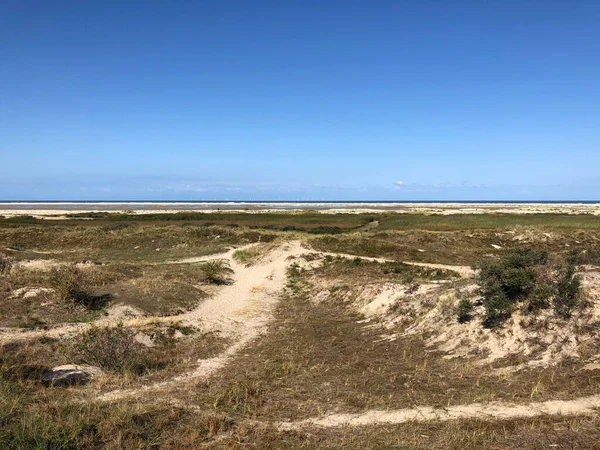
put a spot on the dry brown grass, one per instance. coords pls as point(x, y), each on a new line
point(315, 358)
point(539, 433)
point(320, 358)
point(252, 255)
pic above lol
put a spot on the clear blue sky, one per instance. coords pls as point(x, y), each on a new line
point(285, 100)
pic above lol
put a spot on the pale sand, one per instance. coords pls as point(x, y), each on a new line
point(59, 210)
point(492, 410)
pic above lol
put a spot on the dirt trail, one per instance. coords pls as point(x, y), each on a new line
point(15, 334)
point(211, 308)
point(464, 271)
point(239, 312)
point(493, 410)
point(228, 255)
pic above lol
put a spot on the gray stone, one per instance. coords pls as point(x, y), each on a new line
point(70, 375)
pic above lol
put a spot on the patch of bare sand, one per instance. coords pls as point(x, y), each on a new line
point(490, 411)
point(542, 340)
point(115, 314)
point(239, 312)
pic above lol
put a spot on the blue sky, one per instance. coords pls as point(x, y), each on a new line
point(299, 100)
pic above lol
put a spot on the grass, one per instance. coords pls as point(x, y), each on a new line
point(544, 432)
point(497, 220)
point(216, 271)
point(466, 246)
point(315, 358)
point(140, 243)
point(76, 293)
point(373, 271)
point(114, 349)
point(254, 254)
point(307, 221)
point(5, 265)
point(319, 357)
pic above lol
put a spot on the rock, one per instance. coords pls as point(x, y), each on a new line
point(144, 339)
point(69, 375)
point(29, 292)
point(321, 296)
point(497, 247)
point(178, 334)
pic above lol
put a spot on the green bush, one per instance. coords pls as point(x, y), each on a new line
point(540, 297)
point(216, 270)
point(464, 310)
point(359, 262)
point(527, 274)
point(567, 292)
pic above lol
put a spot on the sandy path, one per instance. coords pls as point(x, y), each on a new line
point(209, 309)
point(464, 271)
point(9, 334)
point(239, 312)
point(493, 410)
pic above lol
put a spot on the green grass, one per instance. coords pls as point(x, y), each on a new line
point(462, 221)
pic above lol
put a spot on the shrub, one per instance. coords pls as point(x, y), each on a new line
point(70, 286)
point(67, 282)
point(112, 348)
point(526, 275)
point(540, 297)
point(464, 310)
point(5, 265)
point(215, 271)
point(116, 226)
point(567, 292)
point(359, 261)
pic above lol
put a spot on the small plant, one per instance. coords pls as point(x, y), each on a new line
point(359, 261)
point(112, 348)
point(464, 310)
point(5, 265)
point(18, 246)
point(183, 329)
point(567, 293)
point(68, 284)
point(215, 271)
point(540, 297)
point(294, 273)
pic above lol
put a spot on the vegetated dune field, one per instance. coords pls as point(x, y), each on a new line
point(362, 326)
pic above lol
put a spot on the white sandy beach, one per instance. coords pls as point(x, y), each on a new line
point(59, 210)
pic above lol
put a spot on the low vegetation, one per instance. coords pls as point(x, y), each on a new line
point(67, 283)
point(5, 265)
point(464, 309)
point(320, 354)
point(111, 348)
point(527, 276)
point(216, 271)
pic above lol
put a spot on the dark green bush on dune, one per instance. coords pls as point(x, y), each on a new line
point(527, 275)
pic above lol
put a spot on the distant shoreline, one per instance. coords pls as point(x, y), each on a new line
point(301, 202)
point(56, 209)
